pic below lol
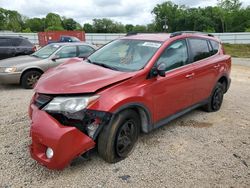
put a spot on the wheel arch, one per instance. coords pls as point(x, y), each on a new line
point(30, 69)
point(224, 81)
point(143, 112)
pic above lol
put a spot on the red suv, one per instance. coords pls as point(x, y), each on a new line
point(131, 85)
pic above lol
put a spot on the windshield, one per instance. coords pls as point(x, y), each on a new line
point(125, 55)
point(46, 51)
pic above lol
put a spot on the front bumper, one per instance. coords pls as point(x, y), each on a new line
point(66, 142)
point(10, 78)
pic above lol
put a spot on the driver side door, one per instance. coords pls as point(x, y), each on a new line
point(174, 92)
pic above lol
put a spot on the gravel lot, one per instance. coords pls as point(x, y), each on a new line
point(198, 150)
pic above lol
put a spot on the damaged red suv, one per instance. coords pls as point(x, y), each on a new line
point(131, 85)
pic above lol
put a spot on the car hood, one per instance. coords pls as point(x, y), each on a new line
point(78, 77)
point(15, 61)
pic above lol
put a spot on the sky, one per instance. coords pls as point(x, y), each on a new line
point(83, 11)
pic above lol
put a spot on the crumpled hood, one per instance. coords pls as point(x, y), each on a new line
point(78, 77)
point(15, 61)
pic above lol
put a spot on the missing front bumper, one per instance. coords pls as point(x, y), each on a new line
point(67, 142)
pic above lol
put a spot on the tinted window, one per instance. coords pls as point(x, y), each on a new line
point(215, 46)
point(5, 42)
point(25, 42)
point(66, 52)
point(175, 55)
point(16, 41)
point(199, 48)
point(85, 51)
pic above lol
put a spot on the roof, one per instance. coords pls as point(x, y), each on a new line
point(72, 43)
point(161, 37)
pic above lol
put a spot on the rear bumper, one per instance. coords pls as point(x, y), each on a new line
point(10, 78)
point(67, 142)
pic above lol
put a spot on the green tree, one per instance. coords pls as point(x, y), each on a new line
point(140, 28)
point(129, 28)
point(53, 22)
point(35, 24)
point(69, 24)
point(167, 10)
point(88, 28)
point(107, 26)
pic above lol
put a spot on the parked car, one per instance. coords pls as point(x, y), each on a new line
point(26, 70)
point(15, 46)
point(131, 85)
point(66, 39)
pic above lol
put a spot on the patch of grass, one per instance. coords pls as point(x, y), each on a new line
point(238, 50)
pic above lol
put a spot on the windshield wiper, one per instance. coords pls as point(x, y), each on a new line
point(102, 65)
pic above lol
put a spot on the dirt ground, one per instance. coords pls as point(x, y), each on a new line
point(197, 150)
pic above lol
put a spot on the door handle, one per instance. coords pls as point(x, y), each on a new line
point(216, 66)
point(189, 75)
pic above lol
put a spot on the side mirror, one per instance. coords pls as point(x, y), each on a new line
point(161, 69)
point(55, 57)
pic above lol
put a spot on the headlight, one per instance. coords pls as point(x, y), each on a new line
point(69, 104)
point(8, 69)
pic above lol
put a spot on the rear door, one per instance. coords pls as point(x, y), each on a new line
point(25, 47)
point(204, 61)
point(6, 48)
point(173, 92)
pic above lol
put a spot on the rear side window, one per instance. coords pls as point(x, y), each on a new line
point(85, 51)
point(215, 46)
point(25, 42)
point(199, 49)
point(5, 42)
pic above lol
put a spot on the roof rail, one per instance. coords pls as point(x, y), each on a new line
point(190, 32)
point(137, 33)
point(131, 33)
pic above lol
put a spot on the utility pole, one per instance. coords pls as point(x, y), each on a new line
point(165, 26)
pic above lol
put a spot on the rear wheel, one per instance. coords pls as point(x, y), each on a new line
point(30, 78)
point(216, 99)
point(117, 140)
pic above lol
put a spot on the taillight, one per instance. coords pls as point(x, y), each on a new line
point(222, 49)
point(34, 49)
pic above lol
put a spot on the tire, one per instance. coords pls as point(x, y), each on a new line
point(118, 139)
point(216, 99)
point(29, 79)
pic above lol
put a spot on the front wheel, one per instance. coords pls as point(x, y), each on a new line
point(216, 99)
point(117, 140)
point(30, 78)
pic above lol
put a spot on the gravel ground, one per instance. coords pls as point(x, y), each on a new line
point(197, 150)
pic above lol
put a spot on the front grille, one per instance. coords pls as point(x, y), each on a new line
point(41, 100)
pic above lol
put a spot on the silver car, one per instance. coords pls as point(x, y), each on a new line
point(26, 70)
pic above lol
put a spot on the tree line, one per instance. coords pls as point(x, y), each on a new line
point(226, 16)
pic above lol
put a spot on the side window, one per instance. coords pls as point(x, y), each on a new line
point(5, 42)
point(67, 52)
point(85, 51)
point(25, 42)
point(199, 48)
point(215, 46)
point(16, 41)
point(175, 55)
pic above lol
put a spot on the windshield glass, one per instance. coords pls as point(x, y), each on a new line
point(125, 55)
point(46, 51)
